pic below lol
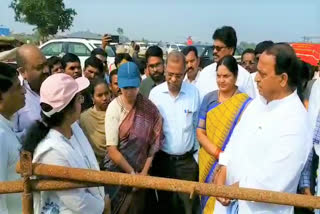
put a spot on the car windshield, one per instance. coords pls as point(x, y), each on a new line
point(181, 47)
point(200, 49)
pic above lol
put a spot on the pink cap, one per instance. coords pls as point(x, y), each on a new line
point(59, 89)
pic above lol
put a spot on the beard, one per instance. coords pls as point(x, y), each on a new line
point(157, 77)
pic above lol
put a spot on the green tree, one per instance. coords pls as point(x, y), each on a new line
point(120, 31)
point(49, 16)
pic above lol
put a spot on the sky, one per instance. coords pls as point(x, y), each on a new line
point(175, 20)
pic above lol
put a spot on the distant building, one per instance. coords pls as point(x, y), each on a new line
point(4, 31)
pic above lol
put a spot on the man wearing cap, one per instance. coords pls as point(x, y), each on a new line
point(33, 68)
point(178, 103)
point(133, 127)
point(155, 66)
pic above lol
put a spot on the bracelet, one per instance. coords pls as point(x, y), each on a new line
point(133, 172)
point(217, 153)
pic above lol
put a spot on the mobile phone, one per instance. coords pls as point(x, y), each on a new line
point(114, 38)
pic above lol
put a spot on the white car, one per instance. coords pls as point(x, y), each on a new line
point(174, 47)
point(78, 46)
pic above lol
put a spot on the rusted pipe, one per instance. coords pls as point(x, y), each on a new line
point(26, 172)
point(174, 185)
point(43, 185)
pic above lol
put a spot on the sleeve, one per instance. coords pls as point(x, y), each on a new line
point(203, 113)
point(78, 200)
point(195, 120)
point(3, 173)
point(281, 170)
point(305, 179)
point(112, 124)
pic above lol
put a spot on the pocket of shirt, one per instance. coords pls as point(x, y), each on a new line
point(188, 123)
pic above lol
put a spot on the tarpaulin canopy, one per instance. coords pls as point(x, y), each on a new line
point(309, 53)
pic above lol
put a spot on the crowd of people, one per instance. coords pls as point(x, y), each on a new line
point(253, 124)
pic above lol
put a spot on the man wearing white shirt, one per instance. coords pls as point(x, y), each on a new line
point(314, 102)
point(178, 103)
point(192, 64)
point(270, 144)
point(224, 43)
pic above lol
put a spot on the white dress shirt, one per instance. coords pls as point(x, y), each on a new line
point(180, 117)
point(268, 150)
point(9, 149)
point(207, 81)
point(314, 103)
point(193, 82)
point(76, 152)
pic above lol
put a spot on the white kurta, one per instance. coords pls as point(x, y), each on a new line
point(268, 150)
point(207, 81)
point(9, 149)
point(55, 149)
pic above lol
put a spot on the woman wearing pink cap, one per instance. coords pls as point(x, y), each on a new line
point(133, 134)
point(58, 140)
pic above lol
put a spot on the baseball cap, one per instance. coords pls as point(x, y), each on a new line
point(129, 75)
point(59, 89)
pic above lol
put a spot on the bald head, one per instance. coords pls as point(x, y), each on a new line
point(32, 65)
point(26, 54)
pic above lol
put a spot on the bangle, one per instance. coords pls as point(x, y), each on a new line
point(217, 153)
point(132, 173)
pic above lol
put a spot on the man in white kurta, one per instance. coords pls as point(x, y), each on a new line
point(270, 144)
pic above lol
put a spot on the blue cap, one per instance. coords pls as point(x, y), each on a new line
point(129, 75)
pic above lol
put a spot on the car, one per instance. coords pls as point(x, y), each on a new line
point(205, 54)
point(79, 46)
point(174, 47)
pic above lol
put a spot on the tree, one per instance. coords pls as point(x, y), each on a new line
point(120, 31)
point(49, 16)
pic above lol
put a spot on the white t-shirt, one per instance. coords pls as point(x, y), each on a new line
point(76, 152)
point(207, 81)
point(9, 149)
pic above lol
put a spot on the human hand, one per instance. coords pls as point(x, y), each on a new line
point(106, 39)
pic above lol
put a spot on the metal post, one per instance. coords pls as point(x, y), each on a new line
point(26, 172)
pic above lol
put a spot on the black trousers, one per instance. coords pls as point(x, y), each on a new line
point(169, 202)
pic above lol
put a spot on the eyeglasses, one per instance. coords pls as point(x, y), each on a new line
point(218, 48)
point(250, 63)
point(155, 66)
point(177, 76)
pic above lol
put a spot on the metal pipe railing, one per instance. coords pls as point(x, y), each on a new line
point(69, 178)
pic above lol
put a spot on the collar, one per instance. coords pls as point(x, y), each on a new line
point(27, 87)
point(165, 88)
point(6, 122)
point(275, 103)
point(195, 80)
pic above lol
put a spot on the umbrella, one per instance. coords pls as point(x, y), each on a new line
point(309, 53)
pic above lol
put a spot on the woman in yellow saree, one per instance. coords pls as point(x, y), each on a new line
point(219, 113)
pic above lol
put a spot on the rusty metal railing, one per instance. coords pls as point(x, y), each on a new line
point(70, 178)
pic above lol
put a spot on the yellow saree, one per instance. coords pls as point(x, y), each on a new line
point(220, 122)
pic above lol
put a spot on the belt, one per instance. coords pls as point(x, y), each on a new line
point(176, 157)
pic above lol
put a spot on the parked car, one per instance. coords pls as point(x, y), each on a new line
point(174, 47)
point(78, 46)
point(206, 55)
